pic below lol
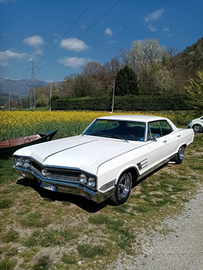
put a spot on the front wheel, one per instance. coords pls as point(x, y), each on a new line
point(180, 155)
point(123, 189)
point(197, 128)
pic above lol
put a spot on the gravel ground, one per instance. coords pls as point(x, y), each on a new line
point(180, 248)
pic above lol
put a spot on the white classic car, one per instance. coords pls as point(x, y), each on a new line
point(103, 162)
point(196, 124)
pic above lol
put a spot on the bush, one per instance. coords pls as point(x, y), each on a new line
point(126, 103)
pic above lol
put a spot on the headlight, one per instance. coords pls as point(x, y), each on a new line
point(83, 178)
point(18, 161)
point(91, 182)
point(22, 162)
point(26, 164)
point(87, 180)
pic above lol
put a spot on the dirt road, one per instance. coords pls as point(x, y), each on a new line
point(181, 247)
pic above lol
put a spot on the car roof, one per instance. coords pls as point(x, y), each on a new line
point(131, 117)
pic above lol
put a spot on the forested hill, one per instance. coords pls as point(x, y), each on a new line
point(190, 60)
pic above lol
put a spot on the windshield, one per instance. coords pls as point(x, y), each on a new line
point(124, 130)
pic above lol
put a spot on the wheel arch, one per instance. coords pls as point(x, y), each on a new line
point(198, 123)
point(133, 171)
point(179, 146)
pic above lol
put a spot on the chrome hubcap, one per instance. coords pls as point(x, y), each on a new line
point(124, 186)
point(182, 153)
point(197, 128)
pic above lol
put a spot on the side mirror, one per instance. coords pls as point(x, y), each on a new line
point(155, 137)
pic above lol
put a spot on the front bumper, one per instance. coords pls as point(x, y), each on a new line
point(70, 188)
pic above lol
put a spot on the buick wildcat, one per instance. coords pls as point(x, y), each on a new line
point(107, 158)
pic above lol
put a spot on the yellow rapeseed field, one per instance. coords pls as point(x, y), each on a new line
point(20, 123)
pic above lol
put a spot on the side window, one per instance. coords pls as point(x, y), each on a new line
point(165, 128)
point(153, 129)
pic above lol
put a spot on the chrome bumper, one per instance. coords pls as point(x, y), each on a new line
point(70, 188)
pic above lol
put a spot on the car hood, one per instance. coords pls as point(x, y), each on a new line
point(83, 152)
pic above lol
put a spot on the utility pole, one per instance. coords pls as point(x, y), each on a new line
point(32, 90)
point(9, 98)
point(112, 106)
point(50, 95)
point(9, 101)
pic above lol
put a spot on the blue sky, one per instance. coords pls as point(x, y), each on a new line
point(61, 36)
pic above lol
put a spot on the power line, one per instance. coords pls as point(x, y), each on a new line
point(81, 35)
point(58, 31)
point(66, 31)
point(27, 69)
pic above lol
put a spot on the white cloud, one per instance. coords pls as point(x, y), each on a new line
point(74, 44)
point(111, 41)
point(34, 41)
point(6, 55)
point(166, 29)
point(108, 32)
point(74, 62)
point(154, 15)
point(152, 28)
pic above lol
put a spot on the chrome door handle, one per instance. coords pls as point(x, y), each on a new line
point(165, 141)
point(178, 136)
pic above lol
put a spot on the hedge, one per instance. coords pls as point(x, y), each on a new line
point(125, 103)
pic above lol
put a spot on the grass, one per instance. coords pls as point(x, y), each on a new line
point(10, 236)
point(42, 230)
point(68, 259)
point(90, 251)
point(5, 203)
point(7, 264)
point(56, 237)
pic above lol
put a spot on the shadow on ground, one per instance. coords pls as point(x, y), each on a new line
point(80, 201)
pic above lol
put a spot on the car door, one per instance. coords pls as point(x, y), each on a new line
point(157, 145)
point(171, 138)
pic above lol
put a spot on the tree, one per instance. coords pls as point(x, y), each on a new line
point(111, 69)
point(145, 54)
point(195, 92)
point(42, 101)
point(145, 58)
point(126, 82)
point(163, 80)
point(94, 69)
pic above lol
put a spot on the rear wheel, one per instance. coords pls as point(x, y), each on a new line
point(180, 155)
point(123, 189)
point(197, 128)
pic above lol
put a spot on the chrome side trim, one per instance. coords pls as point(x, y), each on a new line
point(153, 168)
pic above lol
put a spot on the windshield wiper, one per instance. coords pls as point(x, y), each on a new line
point(116, 136)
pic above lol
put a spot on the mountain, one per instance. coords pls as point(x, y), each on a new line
point(18, 87)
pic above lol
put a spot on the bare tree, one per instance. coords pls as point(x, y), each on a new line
point(111, 69)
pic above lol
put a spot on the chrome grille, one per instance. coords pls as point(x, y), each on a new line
point(57, 173)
